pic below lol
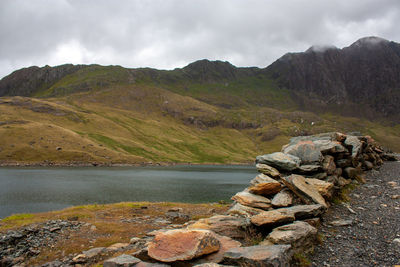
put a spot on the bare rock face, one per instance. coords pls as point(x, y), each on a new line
point(176, 245)
point(272, 218)
point(226, 225)
point(298, 234)
point(306, 192)
point(266, 256)
point(279, 160)
point(252, 200)
point(283, 199)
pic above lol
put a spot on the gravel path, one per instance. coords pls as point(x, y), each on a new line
point(372, 237)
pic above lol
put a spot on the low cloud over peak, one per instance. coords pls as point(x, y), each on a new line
point(170, 33)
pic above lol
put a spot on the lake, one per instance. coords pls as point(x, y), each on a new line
point(26, 190)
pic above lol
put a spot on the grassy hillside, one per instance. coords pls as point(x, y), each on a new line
point(112, 115)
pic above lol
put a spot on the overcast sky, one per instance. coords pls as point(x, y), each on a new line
point(169, 33)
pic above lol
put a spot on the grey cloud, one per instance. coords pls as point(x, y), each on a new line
point(172, 33)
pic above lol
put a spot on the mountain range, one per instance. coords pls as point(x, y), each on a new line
point(206, 112)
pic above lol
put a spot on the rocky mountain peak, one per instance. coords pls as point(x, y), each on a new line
point(206, 70)
point(369, 42)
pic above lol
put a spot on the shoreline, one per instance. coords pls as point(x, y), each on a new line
point(102, 164)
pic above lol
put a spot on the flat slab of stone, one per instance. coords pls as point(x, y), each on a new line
point(283, 199)
point(306, 192)
point(262, 178)
point(267, 170)
point(182, 244)
point(265, 189)
point(279, 160)
point(226, 225)
point(239, 209)
point(309, 168)
point(324, 188)
point(272, 218)
point(252, 200)
point(121, 261)
point(307, 151)
point(301, 212)
point(298, 234)
point(266, 256)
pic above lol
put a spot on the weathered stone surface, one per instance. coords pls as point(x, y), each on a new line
point(181, 244)
point(267, 170)
point(298, 234)
point(226, 243)
point(211, 264)
point(231, 226)
point(117, 246)
point(306, 192)
point(307, 151)
point(121, 261)
point(309, 168)
point(368, 165)
point(266, 189)
point(240, 209)
point(283, 199)
point(91, 253)
point(262, 178)
point(272, 218)
point(343, 163)
point(324, 188)
point(301, 212)
point(252, 200)
point(326, 146)
point(279, 160)
point(328, 164)
point(355, 143)
point(265, 256)
point(341, 222)
point(151, 264)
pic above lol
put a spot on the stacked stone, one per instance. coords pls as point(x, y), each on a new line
point(282, 205)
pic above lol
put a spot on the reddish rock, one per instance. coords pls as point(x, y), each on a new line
point(177, 245)
point(271, 218)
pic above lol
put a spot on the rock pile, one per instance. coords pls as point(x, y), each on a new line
point(16, 246)
point(278, 212)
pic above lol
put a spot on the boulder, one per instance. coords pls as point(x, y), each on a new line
point(240, 209)
point(180, 244)
point(324, 188)
point(307, 151)
point(279, 160)
point(231, 226)
point(298, 234)
point(328, 164)
point(252, 200)
point(327, 147)
point(121, 261)
point(306, 192)
point(271, 218)
point(301, 212)
point(283, 199)
point(267, 170)
point(266, 256)
point(368, 165)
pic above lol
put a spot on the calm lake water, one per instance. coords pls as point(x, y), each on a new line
point(26, 190)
